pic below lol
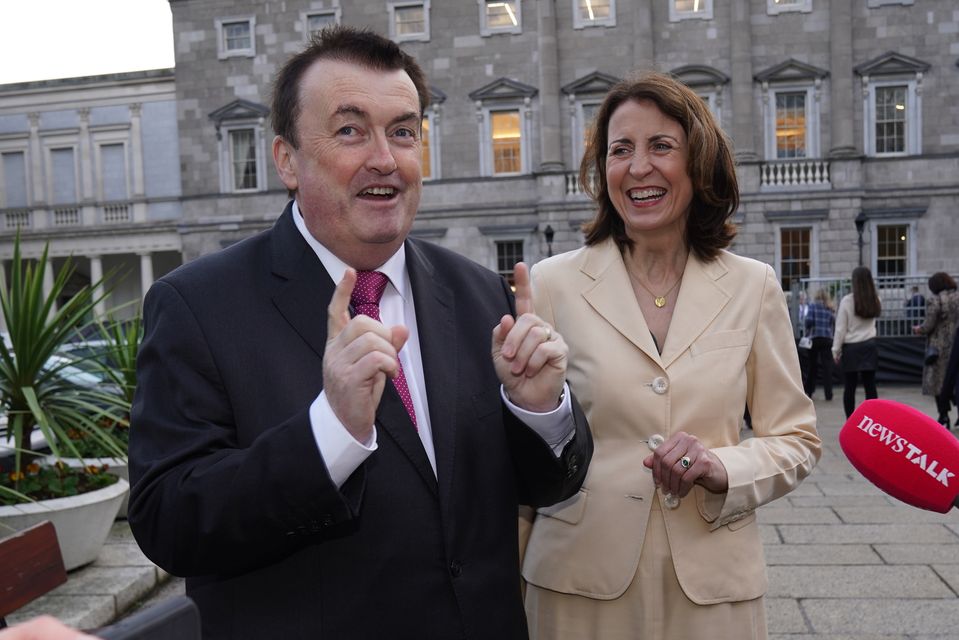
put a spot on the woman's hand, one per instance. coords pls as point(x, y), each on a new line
point(682, 461)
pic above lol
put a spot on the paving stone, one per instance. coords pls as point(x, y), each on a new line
point(126, 584)
point(771, 514)
point(918, 553)
point(817, 554)
point(906, 616)
point(80, 611)
point(122, 555)
point(783, 616)
point(769, 535)
point(949, 573)
point(801, 502)
point(900, 513)
point(824, 636)
point(856, 581)
point(864, 533)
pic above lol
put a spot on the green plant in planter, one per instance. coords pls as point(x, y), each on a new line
point(35, 392)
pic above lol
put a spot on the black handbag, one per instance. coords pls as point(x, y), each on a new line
point(932, 354)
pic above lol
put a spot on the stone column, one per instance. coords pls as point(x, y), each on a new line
point(136, 150)
point(48, 283)
point(744, 119)
point(96, 275)
point(644, 55)
point(85, 157)
point(550, 131)
point(36, 161)
point(841, 113)
point(146, 272)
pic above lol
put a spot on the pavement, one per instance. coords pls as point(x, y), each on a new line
point(845, 561)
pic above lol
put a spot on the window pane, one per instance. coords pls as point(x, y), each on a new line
point(425, 139)
point(791, 125)
point(505, 127)
point(409, 20)
point(114, 169)
point(317, 21)
point(14, 180)
point(589, 114)
point(890, 119)
point(788, 3)
point(891, 249)
point(502, 14)
point(690, 6)
point(508, 253)
point(64, 176)
point(236, 35)
point(795, 255)
point(243, 150)
point(590, 10)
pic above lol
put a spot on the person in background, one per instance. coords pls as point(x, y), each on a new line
point(939, 327)
point(820, 321)
point(670, 336)
point(335, 423)
point(854, 343)
point(915, 307)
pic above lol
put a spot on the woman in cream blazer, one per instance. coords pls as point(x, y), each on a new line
point(669, 372)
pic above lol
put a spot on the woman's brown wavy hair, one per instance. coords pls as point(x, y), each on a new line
point(711, 167)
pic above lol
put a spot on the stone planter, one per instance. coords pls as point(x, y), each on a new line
point(82, 522)
point(116, 466)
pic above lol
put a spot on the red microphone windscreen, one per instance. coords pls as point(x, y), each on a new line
point(904, 452)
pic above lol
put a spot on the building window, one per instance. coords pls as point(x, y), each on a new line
point(892, 250)
point(63, 181)
point(795, 244)
point(690, 9)
point(235, 37)
point(508, 253)
point(431, 155)
point(409, 21)
point(13, 189)
point(594, 13)
point(893, 119)
point(774, 7)
point(113, 172)
point(316, 21)
point(500, 16)
point(506, 142)
point(583, 121)
point(872, 4)
point(243, 163)
point(792, 126)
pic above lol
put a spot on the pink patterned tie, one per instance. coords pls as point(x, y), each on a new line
point(366, 301)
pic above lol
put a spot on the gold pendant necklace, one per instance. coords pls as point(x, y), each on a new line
point(659, 301)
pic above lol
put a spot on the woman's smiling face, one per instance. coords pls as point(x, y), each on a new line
point(646, 169)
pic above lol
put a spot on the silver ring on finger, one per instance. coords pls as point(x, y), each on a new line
point(685, 462)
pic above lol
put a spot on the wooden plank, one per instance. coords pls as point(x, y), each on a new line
point(31, 566)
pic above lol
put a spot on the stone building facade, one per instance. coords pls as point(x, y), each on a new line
point(90, 167)
point(844, 115)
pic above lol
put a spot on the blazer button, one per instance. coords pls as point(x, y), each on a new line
point(654, 441)
point(456, 569)
point(660, 385)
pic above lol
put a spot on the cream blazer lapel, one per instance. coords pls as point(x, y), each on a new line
point(701, 298)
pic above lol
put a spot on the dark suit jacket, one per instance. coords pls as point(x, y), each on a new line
point(229, 488)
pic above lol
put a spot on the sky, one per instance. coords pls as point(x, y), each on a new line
point(47, 39)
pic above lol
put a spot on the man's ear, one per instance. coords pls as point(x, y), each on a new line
point(285, 163)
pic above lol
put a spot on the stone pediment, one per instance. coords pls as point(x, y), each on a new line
point(694, 75)
point(436, 96)
point(239, 110)
point(891, 63)
point(503, 89)
point(595, 82)
point(791, 70)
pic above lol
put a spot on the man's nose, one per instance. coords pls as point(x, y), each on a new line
point(380, 158)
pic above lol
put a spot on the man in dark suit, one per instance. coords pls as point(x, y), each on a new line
point(320, 474)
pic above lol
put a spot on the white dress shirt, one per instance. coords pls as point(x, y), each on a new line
point(342, 453)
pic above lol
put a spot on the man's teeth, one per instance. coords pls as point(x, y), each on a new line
point(378, 191)
point(644, 194)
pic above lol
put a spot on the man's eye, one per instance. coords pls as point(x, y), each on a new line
point(346, 131)
point(404, 132)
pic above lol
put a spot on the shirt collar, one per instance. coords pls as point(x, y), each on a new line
point(394, 268)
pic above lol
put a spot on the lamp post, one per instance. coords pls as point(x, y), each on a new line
point(860, 225)
point(548, 233)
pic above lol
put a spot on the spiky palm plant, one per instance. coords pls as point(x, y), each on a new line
point(34, 394)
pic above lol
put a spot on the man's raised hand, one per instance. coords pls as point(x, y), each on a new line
point(361, 353)
point(529, 355)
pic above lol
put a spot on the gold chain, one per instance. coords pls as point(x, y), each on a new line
point(659, 301)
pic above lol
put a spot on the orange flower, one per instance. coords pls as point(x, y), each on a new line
point(33, 468)
point(14, 476)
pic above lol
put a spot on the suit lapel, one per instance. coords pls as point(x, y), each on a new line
point(699, 302)
point(302, 299)
point(435, 307)
point(610, 295)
